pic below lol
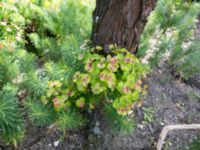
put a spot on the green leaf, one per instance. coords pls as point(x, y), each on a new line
point(39, 113)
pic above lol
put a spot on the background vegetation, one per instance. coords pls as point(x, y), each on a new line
point(170, 35)
point(37, 45)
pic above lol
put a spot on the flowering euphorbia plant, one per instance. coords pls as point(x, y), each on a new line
point(119, 72)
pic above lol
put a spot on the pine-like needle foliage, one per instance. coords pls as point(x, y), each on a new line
point(55, 71)
point(11, 123)
point(26, 61)
point(40, 41)
point(40, 114)
point(120, 124)
point(35, 83)
point(69, 120)
point(168, 33)
point(8, 67)
point(188, 62)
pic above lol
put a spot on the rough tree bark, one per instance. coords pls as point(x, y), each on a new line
point(120, 22)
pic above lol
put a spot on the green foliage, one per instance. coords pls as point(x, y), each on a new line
point(118, 74)
point(148, 115)
point(11, 26)
point(8, 67)
point(75, 23)
point(53, 35)
point(55, 71)
point(170, 30)
point(11, 123)
point(26, 61)
point(39, 114)
point(69, 120)
point(193, 96)
point(194, 145)
point(35, 39)
point(40, 40)
point(43, 52)
point(12, 128)
point(118, 123)
point(35, 84)
point(188, 61)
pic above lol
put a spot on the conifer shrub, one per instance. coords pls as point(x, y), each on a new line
point(8, 67)
point(39, 114)
point(69, 120)
point(38, 44)
point(170, 33)
point(12, 128)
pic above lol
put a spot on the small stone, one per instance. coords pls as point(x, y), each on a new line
point(49, 144)
point(162, 123)
point(97, 123)
point(56, 143)
point(96, 130)
point(140, 126)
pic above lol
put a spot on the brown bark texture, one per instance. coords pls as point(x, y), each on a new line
point(120, 22)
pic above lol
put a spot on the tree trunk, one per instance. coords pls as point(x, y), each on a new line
point(120, 22)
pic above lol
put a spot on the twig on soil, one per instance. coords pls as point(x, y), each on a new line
point(168, 128)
